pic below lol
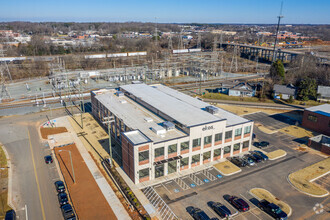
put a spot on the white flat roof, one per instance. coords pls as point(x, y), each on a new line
point(321, 109)
point(180, 110)
point(231, 118)
point(134, 116)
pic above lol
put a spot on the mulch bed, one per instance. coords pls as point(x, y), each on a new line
point(50, 131)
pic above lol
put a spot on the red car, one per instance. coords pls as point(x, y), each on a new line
point(239, 204)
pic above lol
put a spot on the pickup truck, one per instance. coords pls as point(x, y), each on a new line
point(273, 210)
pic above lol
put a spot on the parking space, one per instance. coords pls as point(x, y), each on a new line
point(274, 122)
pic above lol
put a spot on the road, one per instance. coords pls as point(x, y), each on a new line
point(32, 180)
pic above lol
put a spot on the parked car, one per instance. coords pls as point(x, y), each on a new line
point(273, 210)
point(60, 186)
point(197, 213)
point(256, 144)
point(257, 158)
point(62, 198)
point(48, 159)
point(264, 144)
point(248, 160)
point(264, 156)
point(10, 215)
point(220, 209)
point(238, 161)
point(239, 203)
point(67, 212)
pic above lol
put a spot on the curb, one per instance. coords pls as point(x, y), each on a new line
point(317, 196)
point(289, 214)
point(279, 156)
point(240, 170)
point(9, 198)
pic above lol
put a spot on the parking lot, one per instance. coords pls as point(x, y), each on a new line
point(273, 122)
point(201, 187)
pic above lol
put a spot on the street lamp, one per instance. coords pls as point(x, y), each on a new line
point(74, 178)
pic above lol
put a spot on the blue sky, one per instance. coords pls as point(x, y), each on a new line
point(173, 11)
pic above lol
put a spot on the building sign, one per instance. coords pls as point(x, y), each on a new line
point(207, 128)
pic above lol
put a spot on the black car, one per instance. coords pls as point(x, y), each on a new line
point(220, 209)
point(197, 213)
point(257, 157)
point(62, 198)
point(272, 209)
point(256, 144)
point(264, 156)
point(264, 144)
point(60, 186)
point(238, 161)
point(48, 159)
point(67, 212)
point(239, 203)
point(10, 215)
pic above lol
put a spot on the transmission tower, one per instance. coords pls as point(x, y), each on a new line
point(234, 59)
point(277, 29)
point(180, 46)
point(5, 73)
point(170, 43)
point(215, 55)
point(199, 41)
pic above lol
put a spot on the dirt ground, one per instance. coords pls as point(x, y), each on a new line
point(276, 154)
point(301, 179)
point(240, 110)
point(264, 194)
point(298, 131)
point(227, 168)
point(50, 131)
point(3, 184)
point(85, 194)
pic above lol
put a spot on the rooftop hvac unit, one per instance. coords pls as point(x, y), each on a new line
point(158, 130)
point(168, 125)
point(148, 119)
point(136, 82)
point(119, 94)
point(211, 109)
point(123, 101)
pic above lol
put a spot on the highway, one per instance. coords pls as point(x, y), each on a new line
point(33, 191)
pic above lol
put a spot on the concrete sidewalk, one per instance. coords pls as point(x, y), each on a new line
point(107, 191)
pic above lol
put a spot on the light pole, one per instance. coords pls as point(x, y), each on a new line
point(74, 178)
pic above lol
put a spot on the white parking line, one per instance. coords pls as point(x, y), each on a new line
point(166, 188)
point(26, 214)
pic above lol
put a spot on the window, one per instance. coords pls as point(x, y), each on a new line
point(172, 148)
point(159, 170)
point(184, 161)
point(171, 167)
point(238, 132)
point(217, 152)
point(247, 130)
point(143, 173)
point(159, 152)
point(312, 118)
point(226, 150)
point(236, 147)
point(207, 155)
point(196, 142)
point(144, 155)
point(228, 134)
point(208, 140)
point(184, 145)
point(218, 137)
point(246, 144)
point(195, 159)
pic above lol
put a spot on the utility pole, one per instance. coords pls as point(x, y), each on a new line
point(4, 71)
point(277, 29)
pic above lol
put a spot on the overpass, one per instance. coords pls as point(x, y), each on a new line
point(266, 53)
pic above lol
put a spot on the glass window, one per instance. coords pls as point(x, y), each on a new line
point(238, 132)
point(228, 134)
point(208, 140)
point(218, 137)
point(144, 155)
point(207, 155)
point(159, 170)
point(184, 145)
point(196, 142)
point(217, 152)
point(246, 144)
point(247, 130)
point(159, 152)
point(184, 161)
point(172, 148)
point(196, 158)
point(171, 167)
point(226, 150)
point(236, 147)
point(312, 118)
point(143, 173)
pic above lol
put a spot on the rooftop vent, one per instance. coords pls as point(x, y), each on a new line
point(136, 82)
point(148, 119)
point(119, 94)
point(168, 125)
point(158, 130)
point(211, 109)
point(123, 101)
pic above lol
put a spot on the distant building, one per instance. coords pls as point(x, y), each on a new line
point(324, 93)
point(320, 143)
point(224, 32)
point(242, 89)
point(285, 91)
point(317, 118)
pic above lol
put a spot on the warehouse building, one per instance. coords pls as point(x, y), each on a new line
point(317, 119)
point(163, 131)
